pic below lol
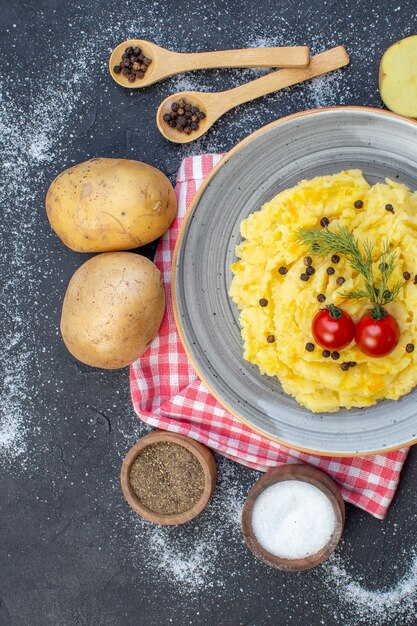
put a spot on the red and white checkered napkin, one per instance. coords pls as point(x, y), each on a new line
point(167, 393)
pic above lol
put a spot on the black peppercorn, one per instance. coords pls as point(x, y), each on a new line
point(263, 302)
point(335, 355)
point(409, 347)
point(310, 270)
point(167, 117)
point(390, 208)
point(406, 275)
point(352, 363)
point(282, 270)
point(330, 271)
point(321, 297)
point(358, 204)
point(131, 78)
point(117, 69)
point(186, 114)
point(270, 339)
point(307, 260)
point(324, 222)
point(335, 258)
point(340, 280)
point(129, 50)
point(140, 74)
point(126, 71)
point(304, 276)
point(415, 279)
point(201, 115)
point(172, 123)
point(309, 346)
point(344, 366)
point(326, 354)
point(137, 51)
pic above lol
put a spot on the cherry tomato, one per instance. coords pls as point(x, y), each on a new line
point(333, 328)
point(377, 337)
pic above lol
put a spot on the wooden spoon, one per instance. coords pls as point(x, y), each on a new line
point(215, 104)
point(166, 63)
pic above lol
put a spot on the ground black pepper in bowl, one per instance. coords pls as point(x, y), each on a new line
point(184, 116)
point(167, 478)
point(133, 64)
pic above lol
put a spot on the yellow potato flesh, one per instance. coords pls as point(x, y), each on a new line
point(270, 242)
point(398, 77)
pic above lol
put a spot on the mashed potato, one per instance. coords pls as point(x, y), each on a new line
point(270, 241)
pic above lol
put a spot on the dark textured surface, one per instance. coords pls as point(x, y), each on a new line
point(71, 552)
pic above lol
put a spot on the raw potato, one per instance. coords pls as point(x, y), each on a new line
point(398, 77)
point(110, 204)
point(112, 309)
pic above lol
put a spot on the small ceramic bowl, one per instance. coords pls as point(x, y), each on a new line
point(308, 474)
point(203, 455)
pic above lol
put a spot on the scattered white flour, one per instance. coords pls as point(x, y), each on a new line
point(397, 604)
point(30, 141)
point(192, 558)
point(323, 90)
point(292, 519)
point(38, 138)
point(188, 556)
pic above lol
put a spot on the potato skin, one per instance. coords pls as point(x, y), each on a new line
point(113, 307)
point(110, 204)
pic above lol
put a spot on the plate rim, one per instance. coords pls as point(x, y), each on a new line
point(257, 133)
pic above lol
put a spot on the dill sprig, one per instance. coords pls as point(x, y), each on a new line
point(322, 241)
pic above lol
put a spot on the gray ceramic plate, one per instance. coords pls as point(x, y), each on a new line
point(272, 159)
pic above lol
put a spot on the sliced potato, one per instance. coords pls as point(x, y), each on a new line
point(398, 77)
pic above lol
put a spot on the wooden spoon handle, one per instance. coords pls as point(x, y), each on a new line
point(324, 62)
point(296, 56)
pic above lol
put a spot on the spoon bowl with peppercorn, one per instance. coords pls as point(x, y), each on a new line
point(137, 63)
point(214, 104)
point(186, 115)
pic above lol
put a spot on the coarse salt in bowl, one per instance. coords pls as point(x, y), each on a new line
point(293, 517)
